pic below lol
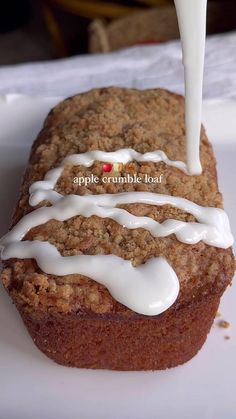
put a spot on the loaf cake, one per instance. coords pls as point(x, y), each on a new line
point(76, 320)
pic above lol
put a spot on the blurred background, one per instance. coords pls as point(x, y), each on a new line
point(37, 30)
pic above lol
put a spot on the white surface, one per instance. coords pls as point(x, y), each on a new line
point(141, 67)
point(32, 386)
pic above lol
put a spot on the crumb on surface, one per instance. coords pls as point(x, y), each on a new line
point(223, 324)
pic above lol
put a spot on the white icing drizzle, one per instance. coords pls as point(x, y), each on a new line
point(192, 24)
point(213, 226)
point(124, 155)
point(148, 289)
point(87, 159)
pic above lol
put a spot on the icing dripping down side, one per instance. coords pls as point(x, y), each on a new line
point(148, 289)
point(192, 24)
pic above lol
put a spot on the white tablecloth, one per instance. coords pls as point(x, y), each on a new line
point(140, 67)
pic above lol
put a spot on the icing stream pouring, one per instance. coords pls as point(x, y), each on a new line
point(192, 25)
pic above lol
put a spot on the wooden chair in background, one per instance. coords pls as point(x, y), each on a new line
point(115, 25)
point(91, 9)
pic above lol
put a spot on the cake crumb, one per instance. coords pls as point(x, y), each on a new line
point(224, 324)
point(218, 314)
point(227, 337)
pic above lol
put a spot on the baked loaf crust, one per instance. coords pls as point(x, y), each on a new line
point(73, 319)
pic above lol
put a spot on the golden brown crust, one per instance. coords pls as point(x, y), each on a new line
point(118, 343)
point(110, 119)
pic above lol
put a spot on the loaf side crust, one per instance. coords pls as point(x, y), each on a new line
point(116, 343)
